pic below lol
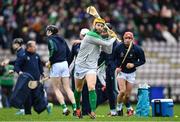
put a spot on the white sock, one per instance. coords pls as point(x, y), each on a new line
point(21, 110)
point(113, 112)
point(119, 106)
point(1, 106)
point(47, 105)
point(130, 108)
point(65, 109)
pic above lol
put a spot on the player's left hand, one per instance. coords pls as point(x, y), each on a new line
point(118, 70)
point(48, 64)
point(5, 62)
point(103, 88)
point(75, 42)
point(129, 65)
point(11, 71)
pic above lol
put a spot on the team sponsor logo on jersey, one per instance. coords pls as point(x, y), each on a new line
point(131, 55)
point(28, 58)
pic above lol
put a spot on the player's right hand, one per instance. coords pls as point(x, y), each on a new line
point(129, 65)
point(11, 71)
point(118, 70)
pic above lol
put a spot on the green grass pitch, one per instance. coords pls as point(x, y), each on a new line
point(56, 115)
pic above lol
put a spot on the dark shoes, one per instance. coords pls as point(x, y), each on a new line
point(120, 113)
point(78, 113)
point(130, 112)
point(66, 113)
point(92, 115)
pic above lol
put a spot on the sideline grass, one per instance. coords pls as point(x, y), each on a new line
point(9, 115)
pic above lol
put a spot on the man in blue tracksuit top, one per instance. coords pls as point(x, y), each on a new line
point(17, 46)
point(30, 63)
point(126, 70)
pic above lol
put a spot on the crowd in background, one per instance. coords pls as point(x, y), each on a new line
point(147, 19)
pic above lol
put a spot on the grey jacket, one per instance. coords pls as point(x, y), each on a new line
point(90, 50)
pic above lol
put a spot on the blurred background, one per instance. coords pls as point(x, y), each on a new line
point(155, 24)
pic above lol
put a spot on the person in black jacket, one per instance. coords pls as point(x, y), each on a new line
point(126, 70)
point(111, 87)
point(59, 71)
